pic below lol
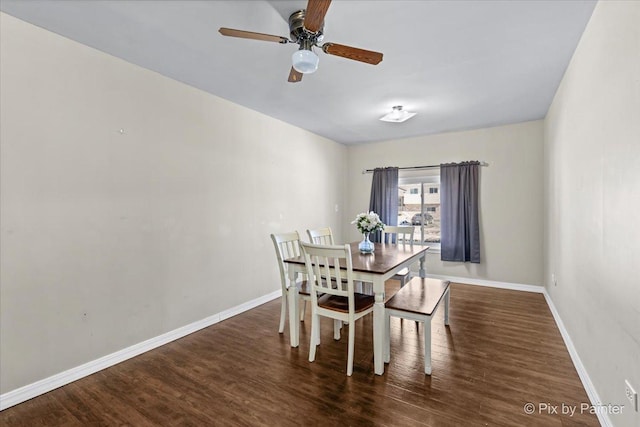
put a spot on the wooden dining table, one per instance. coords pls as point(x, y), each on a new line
point(376, 268)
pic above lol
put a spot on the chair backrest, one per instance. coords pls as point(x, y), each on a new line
point(287, 245)
point(321, 262)
point(321, 236)
point(403, 234)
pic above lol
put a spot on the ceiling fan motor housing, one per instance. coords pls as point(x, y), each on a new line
point(301, 35)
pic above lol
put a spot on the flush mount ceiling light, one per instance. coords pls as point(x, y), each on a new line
point(397, 115)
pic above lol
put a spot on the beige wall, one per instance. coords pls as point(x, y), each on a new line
point(109, 239)
point(592, 201)
point(510, 194)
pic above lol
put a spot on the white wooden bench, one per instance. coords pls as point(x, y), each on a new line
point(418, 300)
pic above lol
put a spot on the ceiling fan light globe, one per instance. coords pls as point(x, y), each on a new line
point(305, 61)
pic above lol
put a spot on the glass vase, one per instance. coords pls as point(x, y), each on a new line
point(366, 246)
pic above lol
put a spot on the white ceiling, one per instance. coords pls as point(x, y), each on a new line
point(458, 64)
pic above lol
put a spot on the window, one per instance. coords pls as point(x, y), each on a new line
point(419, 206)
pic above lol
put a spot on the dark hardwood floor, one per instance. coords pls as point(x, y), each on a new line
point(501, 351)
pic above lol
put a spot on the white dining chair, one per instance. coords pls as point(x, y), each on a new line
point(321, 236)
point(287, 245)
point(324, 236)
point(404, 236)
point(334, 298)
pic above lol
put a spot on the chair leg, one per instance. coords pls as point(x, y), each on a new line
point(283, 312)
point(446, 307)
point(352, 340)
point(315, 334)
point(337, 325)
point(303, 310)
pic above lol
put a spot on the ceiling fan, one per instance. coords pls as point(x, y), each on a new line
point(306, 29)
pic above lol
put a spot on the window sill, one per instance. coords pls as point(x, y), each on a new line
point(433, 249)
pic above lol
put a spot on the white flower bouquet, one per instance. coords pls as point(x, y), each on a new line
point(368, 222)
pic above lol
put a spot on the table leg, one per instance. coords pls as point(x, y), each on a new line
point(378, 328)
point(423, 271)
point(387, 337)
point(294, 311)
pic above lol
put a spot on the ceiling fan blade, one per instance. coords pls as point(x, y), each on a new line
point(314, 16)
point(368, 56)
point(294, 76)
point(251, 35)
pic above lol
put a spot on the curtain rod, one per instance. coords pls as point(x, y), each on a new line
point(419, 167)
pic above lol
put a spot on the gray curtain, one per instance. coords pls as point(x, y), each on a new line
point(460, 231)
point(384, 197)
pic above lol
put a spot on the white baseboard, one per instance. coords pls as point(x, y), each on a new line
point(582, 372)
point(577, 363)
point(490, 283)
point(37, 388)
point(233, 311)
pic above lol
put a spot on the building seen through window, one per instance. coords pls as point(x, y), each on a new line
point(419, 206)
